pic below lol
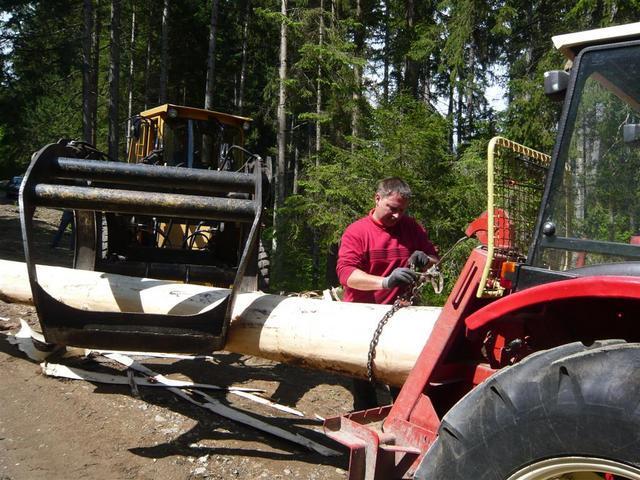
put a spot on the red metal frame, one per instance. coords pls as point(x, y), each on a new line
point(576, 288)
point(389, 442)
point(503, 228)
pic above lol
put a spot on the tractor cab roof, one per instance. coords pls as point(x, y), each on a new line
point(179, 111)
point(613, 72)
point(570, 44)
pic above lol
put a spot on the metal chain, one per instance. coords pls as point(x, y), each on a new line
point(402, 301)
point(435, 277)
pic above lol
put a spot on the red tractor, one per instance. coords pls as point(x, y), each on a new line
point(532, 371)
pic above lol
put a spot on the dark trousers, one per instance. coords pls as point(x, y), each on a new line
point(365, 394)
point(65, 221)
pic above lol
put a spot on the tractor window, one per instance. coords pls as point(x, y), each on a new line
point(176, 142)
point(201, 144)
point(595, 195)
point(207, 140)
point(212, 141)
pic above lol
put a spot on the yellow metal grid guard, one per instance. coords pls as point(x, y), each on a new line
point(519, 175)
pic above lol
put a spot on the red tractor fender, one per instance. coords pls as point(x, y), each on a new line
point(618, 287)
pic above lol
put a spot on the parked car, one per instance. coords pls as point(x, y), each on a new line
point(13, 187)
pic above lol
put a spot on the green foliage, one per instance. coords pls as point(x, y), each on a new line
point(467, 196)
point(419, 111)
point(409, 141)
point(38, 76)
point(63, 113)
point(6, 169)
point(531, 117)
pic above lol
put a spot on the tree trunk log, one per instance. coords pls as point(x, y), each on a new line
point(211, 57)
point(87, 114)
point(130, 80)
point(317, 334)
point(164, 53)
point(282, 126)
point(114, 81)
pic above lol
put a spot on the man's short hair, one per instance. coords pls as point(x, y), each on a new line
point(391, 185)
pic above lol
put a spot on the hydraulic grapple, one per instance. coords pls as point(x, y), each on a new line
point(148, 220)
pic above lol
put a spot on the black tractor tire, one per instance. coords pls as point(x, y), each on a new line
point(264, 267)
point(570, 402)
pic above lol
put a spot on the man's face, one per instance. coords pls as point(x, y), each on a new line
point(390, 209)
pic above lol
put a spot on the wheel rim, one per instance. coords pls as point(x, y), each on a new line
point(576, 468)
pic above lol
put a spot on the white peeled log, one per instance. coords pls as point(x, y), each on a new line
point(318, 334)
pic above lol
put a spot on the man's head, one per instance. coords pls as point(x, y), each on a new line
point(392, 199)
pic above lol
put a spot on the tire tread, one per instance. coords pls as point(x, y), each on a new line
point(573, 399)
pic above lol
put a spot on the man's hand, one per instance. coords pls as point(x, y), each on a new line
point(421, 260)
point(400, 276)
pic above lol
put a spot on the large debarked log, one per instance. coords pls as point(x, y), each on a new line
point(318, 334)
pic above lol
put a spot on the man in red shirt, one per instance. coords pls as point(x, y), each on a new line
point(376, 255)
point(375, 251)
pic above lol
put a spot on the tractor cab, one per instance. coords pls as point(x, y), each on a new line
point(189, 137)
point(577, 212)
point(591, 206)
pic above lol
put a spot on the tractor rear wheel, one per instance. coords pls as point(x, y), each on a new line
point(566, 413)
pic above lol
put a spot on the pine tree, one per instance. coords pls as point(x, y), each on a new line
point(114, 80)
point(87, 73)
point(164, 55)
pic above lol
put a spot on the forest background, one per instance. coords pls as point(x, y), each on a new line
point(342, 93)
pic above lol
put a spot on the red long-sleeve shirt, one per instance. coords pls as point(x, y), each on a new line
point(369, 246)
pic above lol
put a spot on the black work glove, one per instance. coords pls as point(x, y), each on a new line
point(400, 276)
point(421, 260)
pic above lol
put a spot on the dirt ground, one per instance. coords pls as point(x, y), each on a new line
point(72, 429)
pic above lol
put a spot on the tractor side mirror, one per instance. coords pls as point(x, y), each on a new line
point(135, 127)
point(631, 133)
point(555, 84)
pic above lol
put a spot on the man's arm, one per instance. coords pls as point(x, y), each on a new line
point(350, 255)
point(364, 281)
point(351, 262)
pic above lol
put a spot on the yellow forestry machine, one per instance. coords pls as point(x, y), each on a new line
point(186, 205)
point(180, 136)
